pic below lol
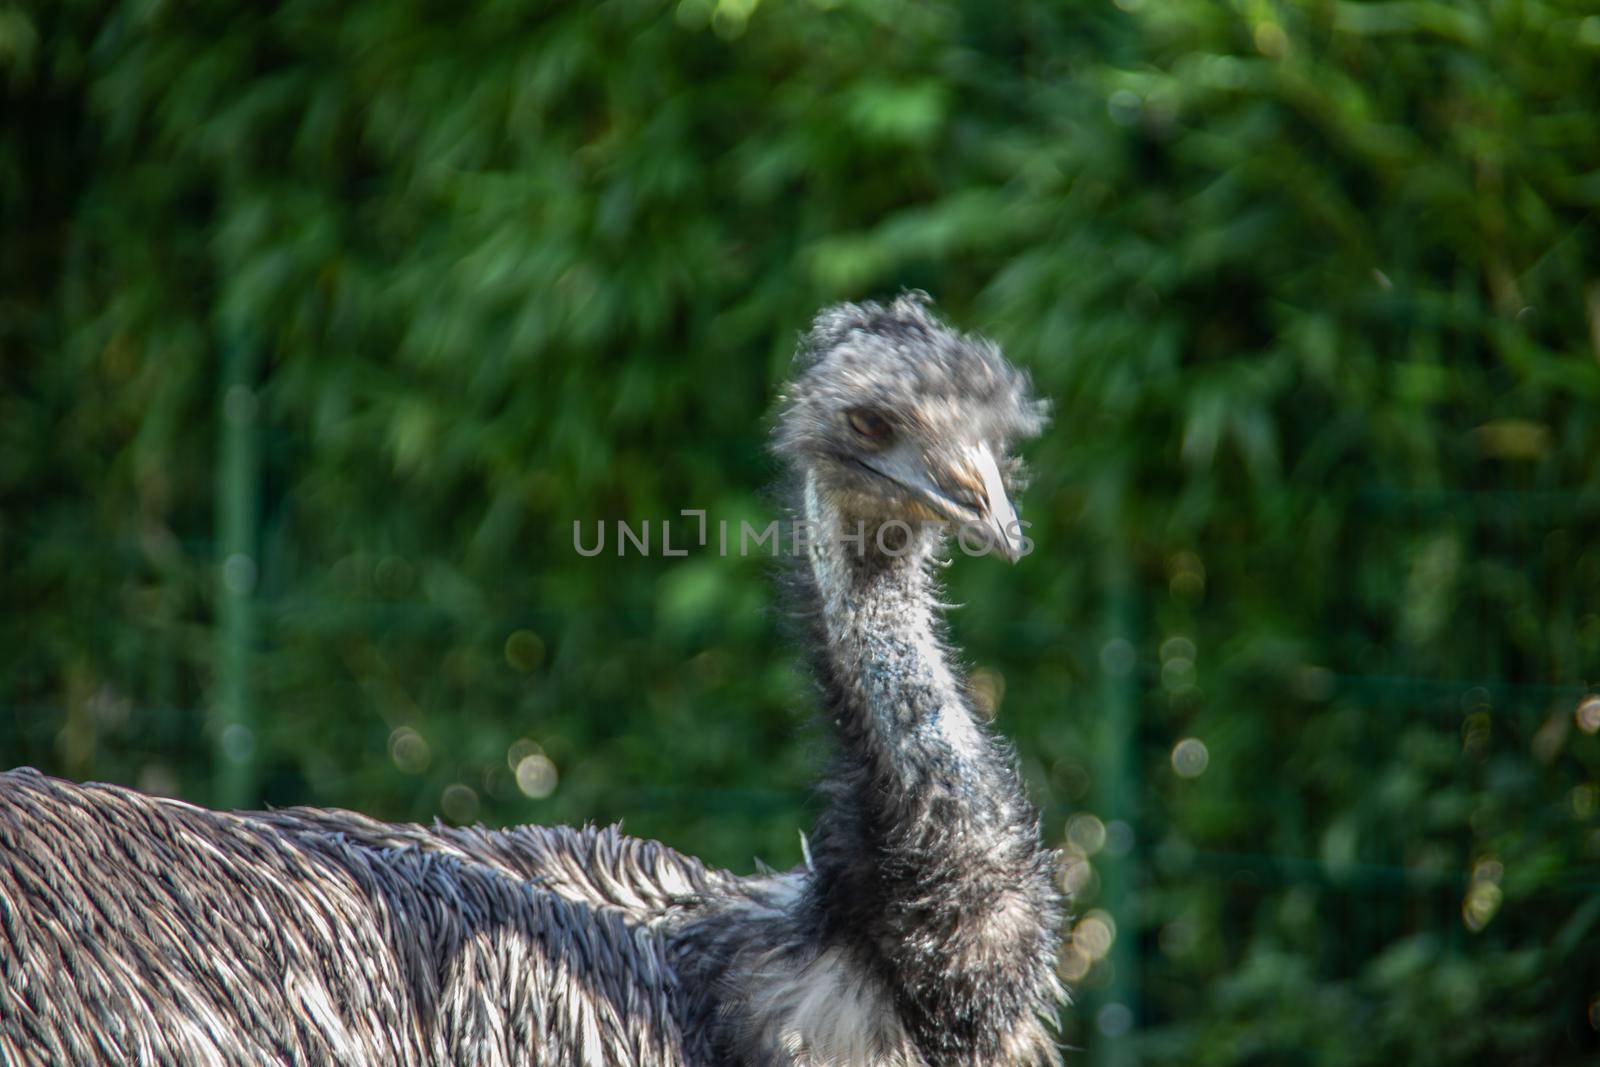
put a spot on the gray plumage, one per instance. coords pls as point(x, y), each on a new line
point(143, 930)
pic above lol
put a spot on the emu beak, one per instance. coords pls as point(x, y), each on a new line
point(965, 489)
point(995, 514)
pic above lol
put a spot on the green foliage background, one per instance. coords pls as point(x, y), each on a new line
point(1315, 287)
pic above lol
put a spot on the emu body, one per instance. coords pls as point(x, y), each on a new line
point(143, 930)
point(922, 933)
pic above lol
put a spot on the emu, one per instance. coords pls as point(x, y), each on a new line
point(921, 931)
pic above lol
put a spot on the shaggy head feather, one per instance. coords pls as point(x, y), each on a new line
point(895, 417)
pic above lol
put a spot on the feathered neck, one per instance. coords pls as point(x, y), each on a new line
point(926, 860)
point(894, 689)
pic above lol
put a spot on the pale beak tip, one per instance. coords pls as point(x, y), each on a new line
point(1008, 546)
point(1005, 533)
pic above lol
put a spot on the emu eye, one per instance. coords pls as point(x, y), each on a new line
point(869, 423)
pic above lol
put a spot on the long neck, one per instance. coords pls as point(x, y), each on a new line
point(927, 859)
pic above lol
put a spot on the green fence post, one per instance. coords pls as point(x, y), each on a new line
point(1116, 1006)
point(238, 569)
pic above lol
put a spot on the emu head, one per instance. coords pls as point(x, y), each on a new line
point(897, 417)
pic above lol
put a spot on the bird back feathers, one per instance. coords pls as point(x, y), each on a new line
point(142, 930)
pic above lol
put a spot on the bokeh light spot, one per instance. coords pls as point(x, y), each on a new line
point(1190, 757)
point(1483, 900)
point(1117, 657)
point(238, 743)
point(1177, 673)
point(536, 776)
point(1074, 963)
point(459, 803)
point(1588, 714)
point(1585, 800)
point(1483, 893)
point(988, 690)
point(1119, 838)
point(1177, 647)
point(1186, 574)
point(1086, 834)
point(524, 651)
point(409, 750)
point(1114, 1020)
point(520, 750)
point(1095, 933)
